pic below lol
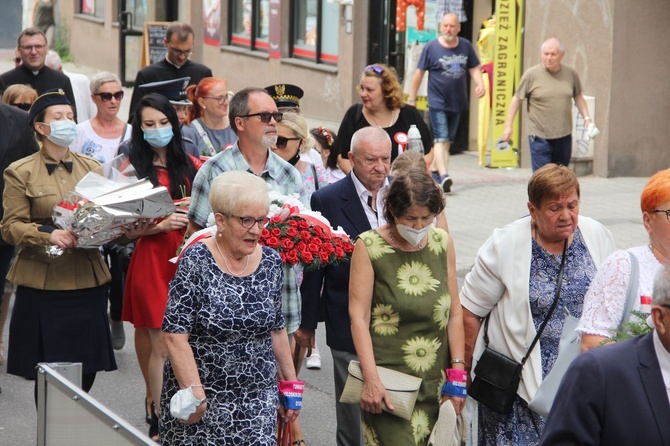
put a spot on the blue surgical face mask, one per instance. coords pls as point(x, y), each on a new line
point(160, 137)
point(62, 132)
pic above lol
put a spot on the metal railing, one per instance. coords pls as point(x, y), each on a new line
point(66, 415)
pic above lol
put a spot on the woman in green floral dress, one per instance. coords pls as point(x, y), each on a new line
point(409, 317)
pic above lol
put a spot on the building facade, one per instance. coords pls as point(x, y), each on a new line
point(323, 46)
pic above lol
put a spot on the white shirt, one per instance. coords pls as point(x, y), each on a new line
point(376, 219)
point(81, 88)
point(88, 143)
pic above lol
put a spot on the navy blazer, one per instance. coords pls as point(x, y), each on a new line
point(340, 204)
point(17, 140)
point(612, 395)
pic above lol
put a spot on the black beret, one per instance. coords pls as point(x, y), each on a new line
point(49, 98)
point(285, 95)
point(173, 89)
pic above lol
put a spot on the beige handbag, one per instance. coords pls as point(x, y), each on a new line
point(402, 389)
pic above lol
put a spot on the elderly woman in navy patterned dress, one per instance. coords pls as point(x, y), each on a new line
point(224, 327)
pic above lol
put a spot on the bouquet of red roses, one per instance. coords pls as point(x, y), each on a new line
point(305, 237)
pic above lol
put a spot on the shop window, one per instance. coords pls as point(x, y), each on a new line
point(250, 24)
point(315, 30)
point(94, 8)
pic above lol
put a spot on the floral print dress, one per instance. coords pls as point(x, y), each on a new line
point(408, 326)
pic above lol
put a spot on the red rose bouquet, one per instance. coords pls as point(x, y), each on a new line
point(305, 237)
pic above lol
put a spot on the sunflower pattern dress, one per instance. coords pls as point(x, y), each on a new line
point(408, 327)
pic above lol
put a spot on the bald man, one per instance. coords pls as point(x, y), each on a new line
point(549, 88)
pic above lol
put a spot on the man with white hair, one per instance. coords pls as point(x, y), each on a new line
point(86, 109)
point(619, 394)
point(549, 88)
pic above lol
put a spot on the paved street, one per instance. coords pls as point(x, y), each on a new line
point(481, 200)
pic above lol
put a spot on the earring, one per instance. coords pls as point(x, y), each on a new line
point(220, 233)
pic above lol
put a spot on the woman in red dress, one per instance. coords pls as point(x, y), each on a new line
point(156, 153)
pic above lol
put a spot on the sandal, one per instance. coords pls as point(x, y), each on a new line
point(147, 414)
point(153, 426)
point(298, 442)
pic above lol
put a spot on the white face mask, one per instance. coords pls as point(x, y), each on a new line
point(411, 235)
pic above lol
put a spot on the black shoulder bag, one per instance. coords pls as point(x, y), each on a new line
point(497, 376)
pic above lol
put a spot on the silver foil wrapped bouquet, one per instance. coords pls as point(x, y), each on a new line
point(102, 205)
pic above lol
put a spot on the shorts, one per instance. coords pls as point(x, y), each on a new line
point(445, 124)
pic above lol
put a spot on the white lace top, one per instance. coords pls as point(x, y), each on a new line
point(605, 300)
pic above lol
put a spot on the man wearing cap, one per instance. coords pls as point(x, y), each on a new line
point(286, 96)
point(253, 117)
point(179, 42)
point(33, 48)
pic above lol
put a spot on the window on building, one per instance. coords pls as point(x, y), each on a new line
point(315, 30)
point(95, 8)
point(250, 24)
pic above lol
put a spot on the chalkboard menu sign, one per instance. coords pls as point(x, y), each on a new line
point(153, 48)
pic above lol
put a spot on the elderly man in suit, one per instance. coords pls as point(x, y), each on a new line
point(355, 204)
point(619, 394)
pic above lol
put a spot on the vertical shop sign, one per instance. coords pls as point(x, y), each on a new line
point(275, 29)
point(211, 16)
point(505, 72)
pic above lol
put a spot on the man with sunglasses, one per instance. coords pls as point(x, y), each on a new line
point(448, 59)
point(32, 46)
point(176, 64)
point(253, 117)
point(619, 394)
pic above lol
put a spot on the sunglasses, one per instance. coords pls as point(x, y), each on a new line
point(22, 105)
point(106, 97)
point(377, 69)
point(266, 116)
point(282, 141)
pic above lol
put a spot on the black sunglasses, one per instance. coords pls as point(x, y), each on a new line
point(22, 105)
point(106, 97)
point(283, 141)
point(266, 116)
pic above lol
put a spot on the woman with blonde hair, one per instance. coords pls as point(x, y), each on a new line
point(383, 106)
point(207, 123)
point(294, 139)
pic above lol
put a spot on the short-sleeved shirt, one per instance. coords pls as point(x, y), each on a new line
point(448, 69)
point(549, 98)
point(91, 144)
point(219, 138)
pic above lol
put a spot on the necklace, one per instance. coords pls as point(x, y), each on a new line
point(226, 262)
point(394, 243)
point(372, 115)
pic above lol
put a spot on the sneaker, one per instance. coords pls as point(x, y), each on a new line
point(313, 362)
point(446, 183)
point(436, 176)
point(118, 335)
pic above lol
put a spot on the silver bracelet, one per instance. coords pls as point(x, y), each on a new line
point(457, 361)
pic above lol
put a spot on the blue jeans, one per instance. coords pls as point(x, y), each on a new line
point(545, 151)
point(445, 124)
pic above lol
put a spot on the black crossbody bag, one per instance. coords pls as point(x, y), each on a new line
point(496, 375)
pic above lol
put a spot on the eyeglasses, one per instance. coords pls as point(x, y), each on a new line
point(221, 100)
point(29, 48)
point(266, 116)
point(106, 97)
point(249, 222)
point(180, 53)
point(22, 105)
point(282, 142)
point(377, 69)
point(665, 211)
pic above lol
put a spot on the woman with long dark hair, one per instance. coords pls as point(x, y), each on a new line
point(156, 154)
